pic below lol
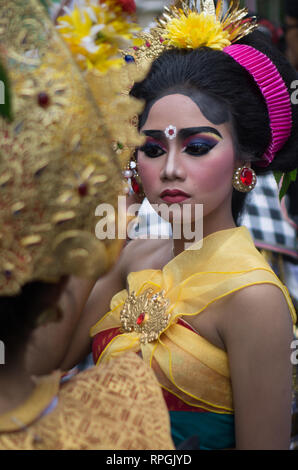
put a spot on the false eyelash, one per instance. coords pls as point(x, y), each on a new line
point(202, 148)
point(150, 146)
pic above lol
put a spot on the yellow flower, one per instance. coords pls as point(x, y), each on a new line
point(95, 33)
point(196, 30)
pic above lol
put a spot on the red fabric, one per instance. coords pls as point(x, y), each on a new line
point(101, 340)
point(175, 404)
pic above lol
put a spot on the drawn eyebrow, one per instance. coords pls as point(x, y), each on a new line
point(183, 133)
point(155, 134)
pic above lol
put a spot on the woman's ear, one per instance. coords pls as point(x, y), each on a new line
point(244, 161)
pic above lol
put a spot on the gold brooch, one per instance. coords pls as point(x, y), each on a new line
point(145, 314)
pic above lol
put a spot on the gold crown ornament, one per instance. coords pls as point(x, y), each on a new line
point(56, 159)
point(191, 24)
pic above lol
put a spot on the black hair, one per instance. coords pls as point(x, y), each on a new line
point(20, 314)
point(291, 8)
point(218, 76)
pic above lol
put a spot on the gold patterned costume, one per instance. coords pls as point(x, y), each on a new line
point(57, 148)
point(118, 406)
point(57, 165)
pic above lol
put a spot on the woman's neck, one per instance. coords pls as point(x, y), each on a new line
point(16, 385)
point(210, 224)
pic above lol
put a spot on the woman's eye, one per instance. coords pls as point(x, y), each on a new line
point(198, 148)
point(152, 150)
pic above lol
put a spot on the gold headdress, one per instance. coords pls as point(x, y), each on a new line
point(189, 24)
point(95, 31)
point(56, 158)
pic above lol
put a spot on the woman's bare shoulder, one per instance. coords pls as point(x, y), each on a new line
point(258, 333)
point(256, 309)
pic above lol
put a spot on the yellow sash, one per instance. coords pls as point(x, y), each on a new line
point(185, 363)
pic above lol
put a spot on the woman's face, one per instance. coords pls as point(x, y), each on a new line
point(191, 164)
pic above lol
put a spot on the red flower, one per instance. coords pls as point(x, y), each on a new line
point(128, 6)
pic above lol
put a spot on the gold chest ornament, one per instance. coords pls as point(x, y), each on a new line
point(145, 314)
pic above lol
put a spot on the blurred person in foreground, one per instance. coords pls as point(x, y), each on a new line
point(56, 166)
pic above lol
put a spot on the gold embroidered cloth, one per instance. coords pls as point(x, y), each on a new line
point(118, 406)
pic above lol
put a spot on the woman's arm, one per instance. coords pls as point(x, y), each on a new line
point(49, 342)
point(64, 344)
point(257, 331)
point(98, 304)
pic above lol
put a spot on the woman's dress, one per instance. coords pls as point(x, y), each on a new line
point(151, 319)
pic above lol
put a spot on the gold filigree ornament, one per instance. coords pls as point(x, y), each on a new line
point(145, 314)
point(191, 24)
point(56, 159)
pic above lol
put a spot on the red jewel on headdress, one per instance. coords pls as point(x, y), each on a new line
point(83, 189)
point(43, 99)
point(246, 176)
point(148, 44)
point(129, 6)
point(171, 131)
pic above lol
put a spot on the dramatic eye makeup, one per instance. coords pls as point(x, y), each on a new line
point(153, 148)
point(198, 141)
point(199, 144)
point(195, 141)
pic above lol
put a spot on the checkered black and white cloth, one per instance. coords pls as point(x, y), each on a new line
point(264, 219)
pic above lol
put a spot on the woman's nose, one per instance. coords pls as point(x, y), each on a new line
point(173, 166)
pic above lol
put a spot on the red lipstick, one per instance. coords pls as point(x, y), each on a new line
point(174, 195)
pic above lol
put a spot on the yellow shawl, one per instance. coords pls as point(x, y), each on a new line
point(186, 364)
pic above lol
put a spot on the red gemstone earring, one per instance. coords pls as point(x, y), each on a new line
point(244, 179)
point(131, 174)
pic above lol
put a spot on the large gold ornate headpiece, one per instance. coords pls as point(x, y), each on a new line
point(56, 158)
point(190, 24)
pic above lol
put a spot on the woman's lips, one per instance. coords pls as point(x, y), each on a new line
point(174, 195)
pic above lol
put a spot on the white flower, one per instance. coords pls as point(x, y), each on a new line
point(171, 132)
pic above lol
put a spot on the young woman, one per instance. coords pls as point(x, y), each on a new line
point(213, 321)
